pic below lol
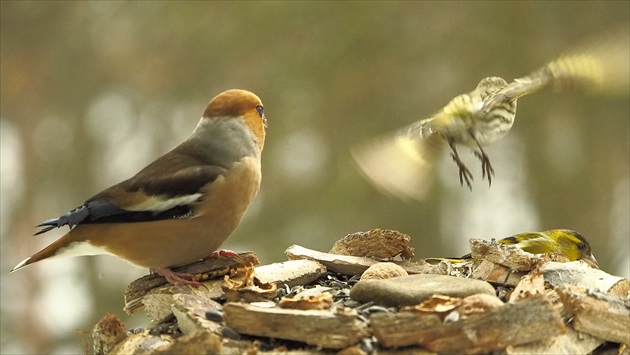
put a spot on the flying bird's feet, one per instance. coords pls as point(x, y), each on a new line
point(486, 167)
point(464, 173)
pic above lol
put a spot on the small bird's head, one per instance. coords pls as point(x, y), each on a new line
point(573, 245)
point(491, 84)
point(243, 104)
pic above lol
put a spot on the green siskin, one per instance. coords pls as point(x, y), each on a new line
point(400, 163)
point(561, 241)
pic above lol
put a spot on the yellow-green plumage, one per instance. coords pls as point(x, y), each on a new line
point(561, 241)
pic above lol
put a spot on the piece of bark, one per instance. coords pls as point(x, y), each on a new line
point(157, 302)
point(526, 321)
point(334, 330)
point(248, 288)
point(480, 303)
point(352, 350)
point(108, 332)
point(496, 274)
point(312, 298)
point(508, 255)
point(435, 304)
point(292, 272)
point(349, 265)
point(384, 244)
point(190, 312)
point(573, 342)
point(578, 273)
point(141, 343)
point(531, 285)
point(201, 342)
point(385, 270)
point(208, 268)
point(596, 313)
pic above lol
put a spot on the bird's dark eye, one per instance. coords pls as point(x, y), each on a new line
point(581, 246)
point(260, 110)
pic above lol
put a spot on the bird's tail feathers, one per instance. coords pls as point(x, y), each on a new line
point(48, 252)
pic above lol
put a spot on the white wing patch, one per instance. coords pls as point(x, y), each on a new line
point(159, 204)
point(80, 249)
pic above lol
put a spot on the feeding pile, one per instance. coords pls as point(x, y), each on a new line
point(366, 296)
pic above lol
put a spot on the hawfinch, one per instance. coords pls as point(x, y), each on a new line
point(181, 207)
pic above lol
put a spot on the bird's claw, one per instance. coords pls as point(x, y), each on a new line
point(464, 173)
point(224, 253)
point(486, 167)
point(177, 278)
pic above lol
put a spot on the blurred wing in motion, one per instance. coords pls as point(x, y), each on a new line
point(599, 66)
point(400, 164)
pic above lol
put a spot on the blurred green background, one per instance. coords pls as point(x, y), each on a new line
point(93, 91)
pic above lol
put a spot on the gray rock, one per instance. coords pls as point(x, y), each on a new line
point(413, 289)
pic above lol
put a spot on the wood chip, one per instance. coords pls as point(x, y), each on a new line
point(572, 342)
point(108, 332)
point(578, 273)
point(142, 343)
point(248, 288)
point(435, 304)
point(530, 285)
point(207, 268)
point(496, 274)
point(480, 303)
point(349, 265)
point(334, 330)
point(292, 272)
point(196, 343)
point(381, 271)
point(190, 312)
point(599, 314)
point(511, 324)
point(383, 244)
point(510, 256)
point(304, 302)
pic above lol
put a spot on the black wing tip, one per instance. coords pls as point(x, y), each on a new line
point(48, 225)
point(44, 230)
point(71, 219)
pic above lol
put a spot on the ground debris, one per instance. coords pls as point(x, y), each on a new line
point(384, 244)
point(319, 303)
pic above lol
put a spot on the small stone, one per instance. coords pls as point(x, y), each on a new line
point(413, 289)
point(214, 315)
point(230, 333)
point(383, 271)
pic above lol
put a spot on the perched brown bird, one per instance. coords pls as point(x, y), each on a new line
point(181, 207)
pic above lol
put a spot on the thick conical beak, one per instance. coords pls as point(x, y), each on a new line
point(591, 261)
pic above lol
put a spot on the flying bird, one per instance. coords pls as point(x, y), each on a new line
point(400, 163)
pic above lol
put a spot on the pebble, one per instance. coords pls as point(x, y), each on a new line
point(413, 289)
point(214, 315)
